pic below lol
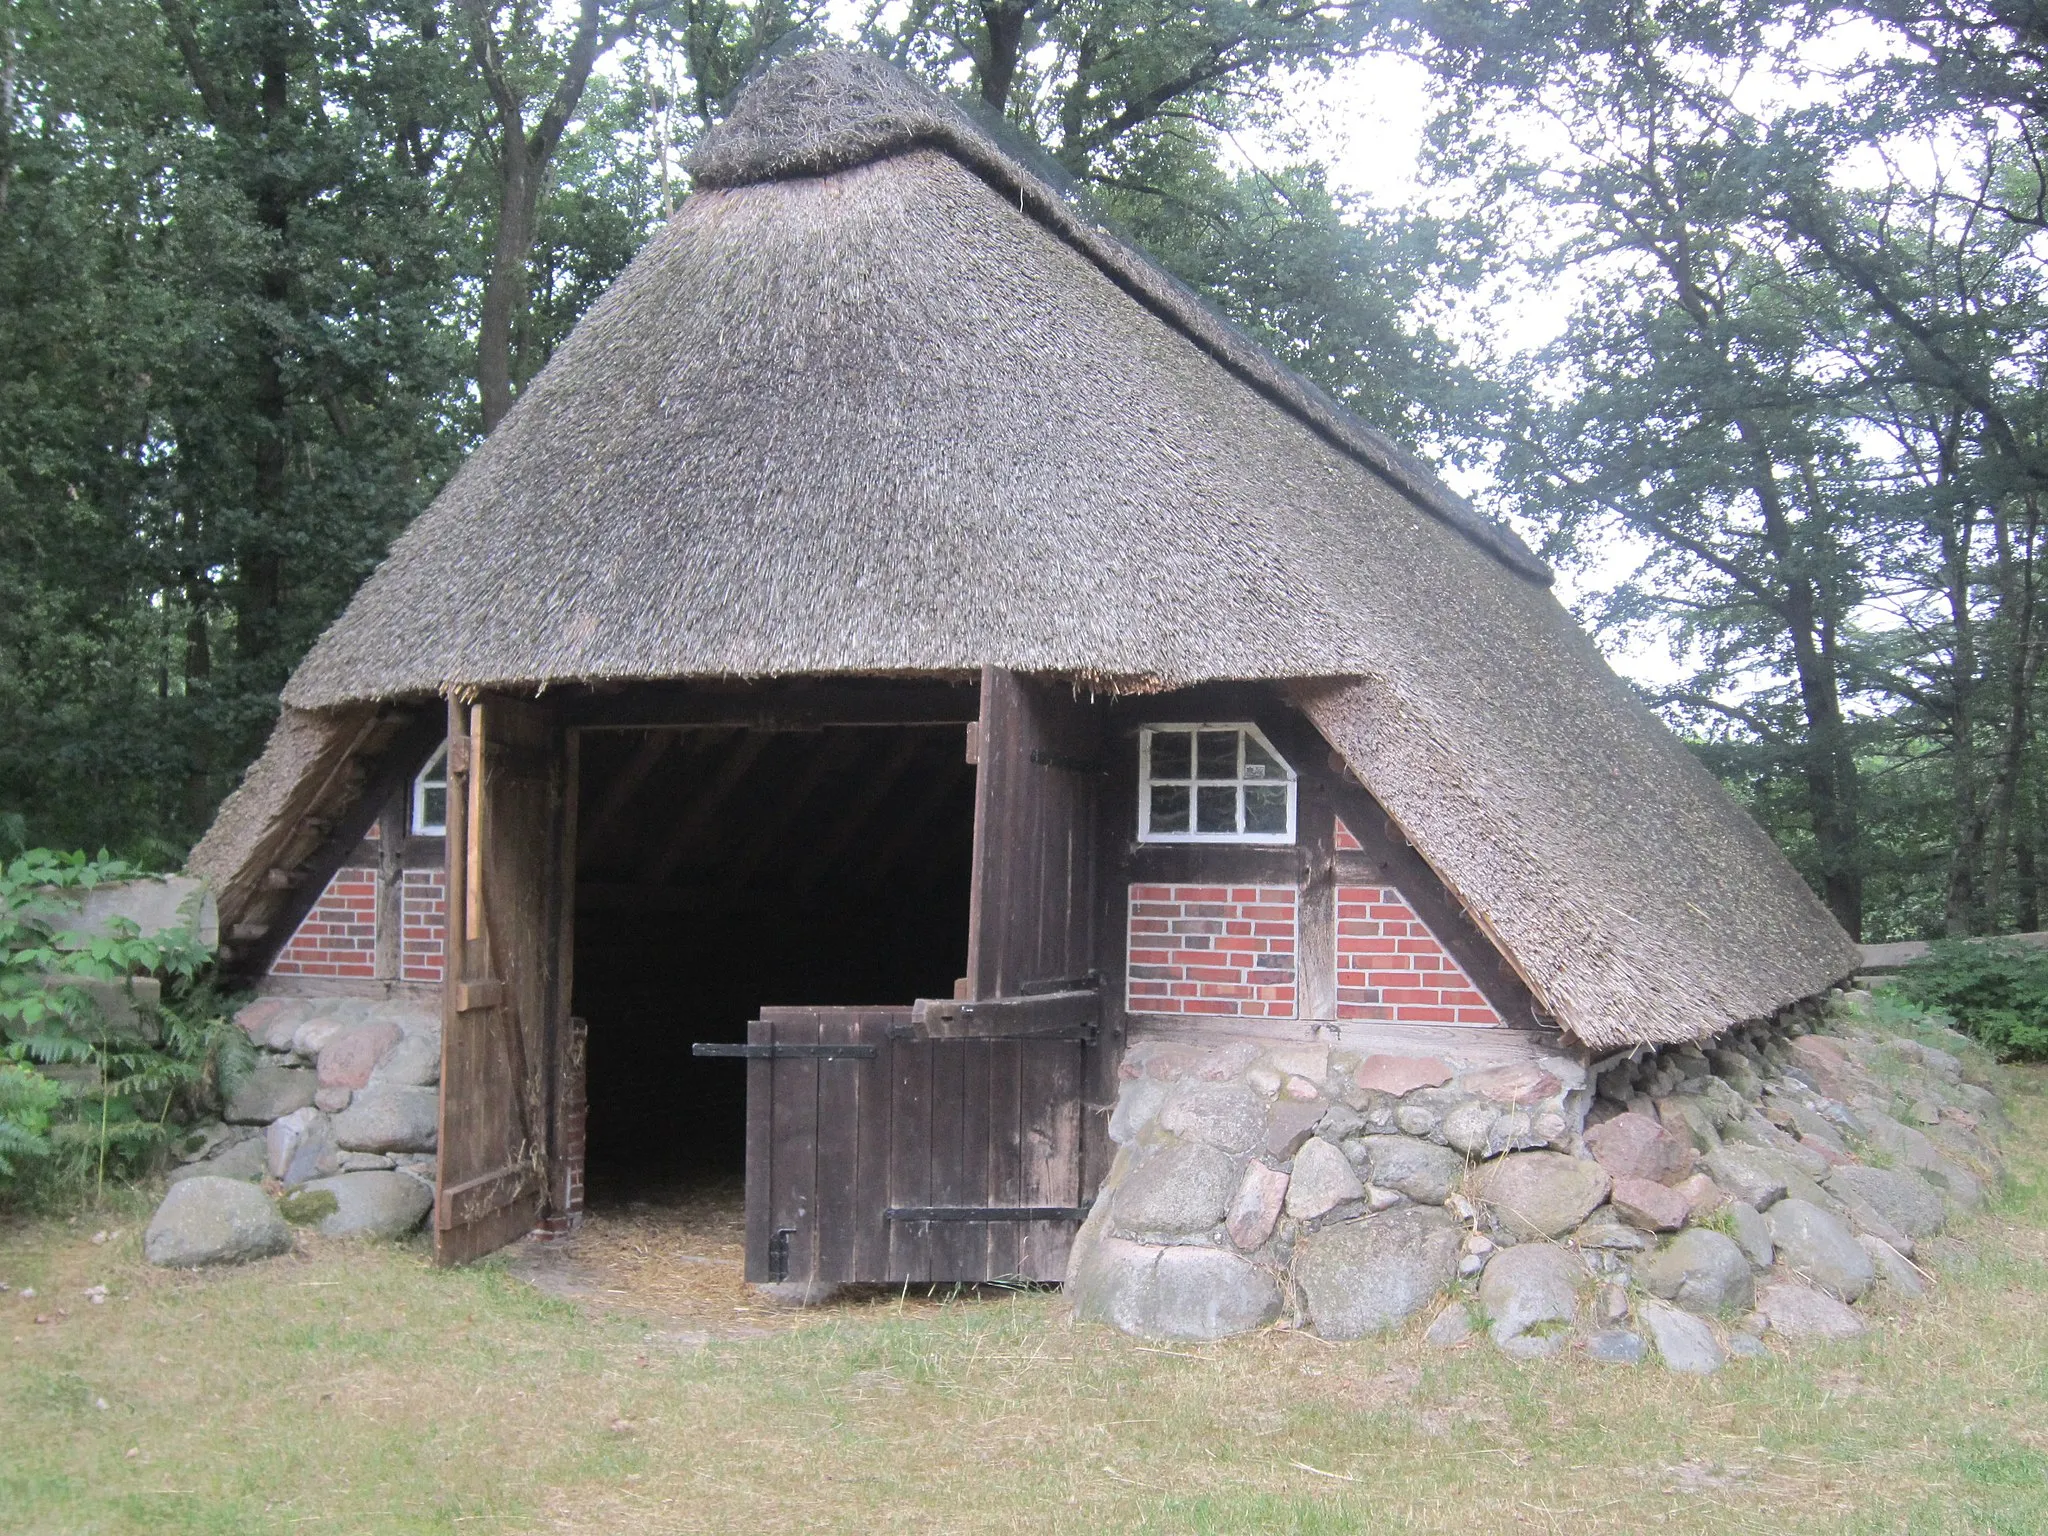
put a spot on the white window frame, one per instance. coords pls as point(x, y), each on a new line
point(421, 827)
point(1246, 730)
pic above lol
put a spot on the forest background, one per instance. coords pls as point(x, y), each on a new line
point(269, 268)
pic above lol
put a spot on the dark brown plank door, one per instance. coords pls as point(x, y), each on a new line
point(505, 921)
point(1032, 910)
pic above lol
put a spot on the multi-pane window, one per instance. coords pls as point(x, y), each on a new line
point(1212, 784)
point(430, 797)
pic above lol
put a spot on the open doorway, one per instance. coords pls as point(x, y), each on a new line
point(724, 869)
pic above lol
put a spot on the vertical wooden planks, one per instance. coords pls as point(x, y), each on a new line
point(1005, 1152)
point(1315, 948)
point(948, 1241)
point(870, 1259)
point(1032, 912)
point(793, 1153)
point(910, 1161)
point(760, 1148)
point(841, 1117)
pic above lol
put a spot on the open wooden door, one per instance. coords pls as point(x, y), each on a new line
point(505, 948)
point(948, 1141)
point(1031, 925)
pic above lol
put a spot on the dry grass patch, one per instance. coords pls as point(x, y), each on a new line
point(354, 1388)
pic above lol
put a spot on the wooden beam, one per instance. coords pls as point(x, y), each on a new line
point(786, 704)
point(624, 785)
point(693, 821)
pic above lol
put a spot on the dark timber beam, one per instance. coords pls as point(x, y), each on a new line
point(790, 704)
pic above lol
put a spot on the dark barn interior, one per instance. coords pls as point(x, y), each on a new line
point(722, 869)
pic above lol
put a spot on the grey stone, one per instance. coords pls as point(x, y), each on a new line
point(1747, 1346)
point(270, 1092)
point(1171, 1293)
point(363, 1162)
point(1421, 1170)
point(1815, 1127)
point(374, 1204)
point(311, 1037)
point(1746, 1176)
point(1683, 1342)
point(1367, 1276)
point(1470, 1128)
point(1415, 1120)
point(1686, 1116)
point(1291, 1122)
point(1724, 1103)
point(246, 1160)
point(1226, 1115)
point(270, 1022)
point(300, 1147)
point(1819, 1245)
point(1603, 1231)
point(1615, 1346)
point(1323, 1180)
point(1137, 1104)
point(1752, 1233)
point(1542, 1194)
point(389, 1118)
point(214, 1221)
point(1176, 1191)
point(1255, 1208)
point(1452, 1326)
point(206, 1139)
point(1530, 1294)
point(332, 1101)
point(1894, 1269)
point(1701, 1270)
point(1801, 1312)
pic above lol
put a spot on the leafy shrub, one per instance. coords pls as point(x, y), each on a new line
point(79, 1097)
point(1995, 990)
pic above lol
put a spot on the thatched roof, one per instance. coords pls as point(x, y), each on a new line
point(880, 400)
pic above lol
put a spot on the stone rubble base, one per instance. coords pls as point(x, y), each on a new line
point(1681, 1204)
point(339, 1116)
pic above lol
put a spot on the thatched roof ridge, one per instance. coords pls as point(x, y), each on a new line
point(836, 108)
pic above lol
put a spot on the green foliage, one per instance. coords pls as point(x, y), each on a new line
point(82, 1094)
point(304, 1207)
point(1996, 992)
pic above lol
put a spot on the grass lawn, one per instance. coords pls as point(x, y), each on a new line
point(355, 1388)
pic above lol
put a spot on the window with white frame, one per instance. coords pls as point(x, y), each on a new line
point(1212, 784)
point(430, 797)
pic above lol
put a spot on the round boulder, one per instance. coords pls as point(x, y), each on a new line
point(1530, 1296)
point(1542, 1194)
point(389, 1118)
point(1905, 1200)
point(214, 1221)
point(1176, 1192)
point(1423, 1171)
point(373, 1204)
point(1367, 1276)
point(1819, 1246)
point(1701, 1270)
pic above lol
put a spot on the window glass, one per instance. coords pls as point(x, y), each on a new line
point(1265, 807)
point(1169, 808)
point(1170, 755)
point(430, 797)
point(1216, 808)
point(1216, 755)
point(1214, 783)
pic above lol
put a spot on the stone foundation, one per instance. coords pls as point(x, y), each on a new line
point(1681, 1202)
point(344, 1095)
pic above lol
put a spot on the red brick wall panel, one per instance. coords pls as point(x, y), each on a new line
point(1226, 951)
point(1390, 967)
point(339, 936)
point(423, 912)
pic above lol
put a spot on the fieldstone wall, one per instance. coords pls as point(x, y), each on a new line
point(343, 1106)
point(1684, 1204)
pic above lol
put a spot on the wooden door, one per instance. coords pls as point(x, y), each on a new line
point(1031, 922)
point(506, 923)
point(878, 1153)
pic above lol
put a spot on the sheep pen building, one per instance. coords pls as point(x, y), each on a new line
point(905, 642)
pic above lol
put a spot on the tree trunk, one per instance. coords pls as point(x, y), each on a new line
point(1959, 902)
point(505, 292)
point(1003, 32)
